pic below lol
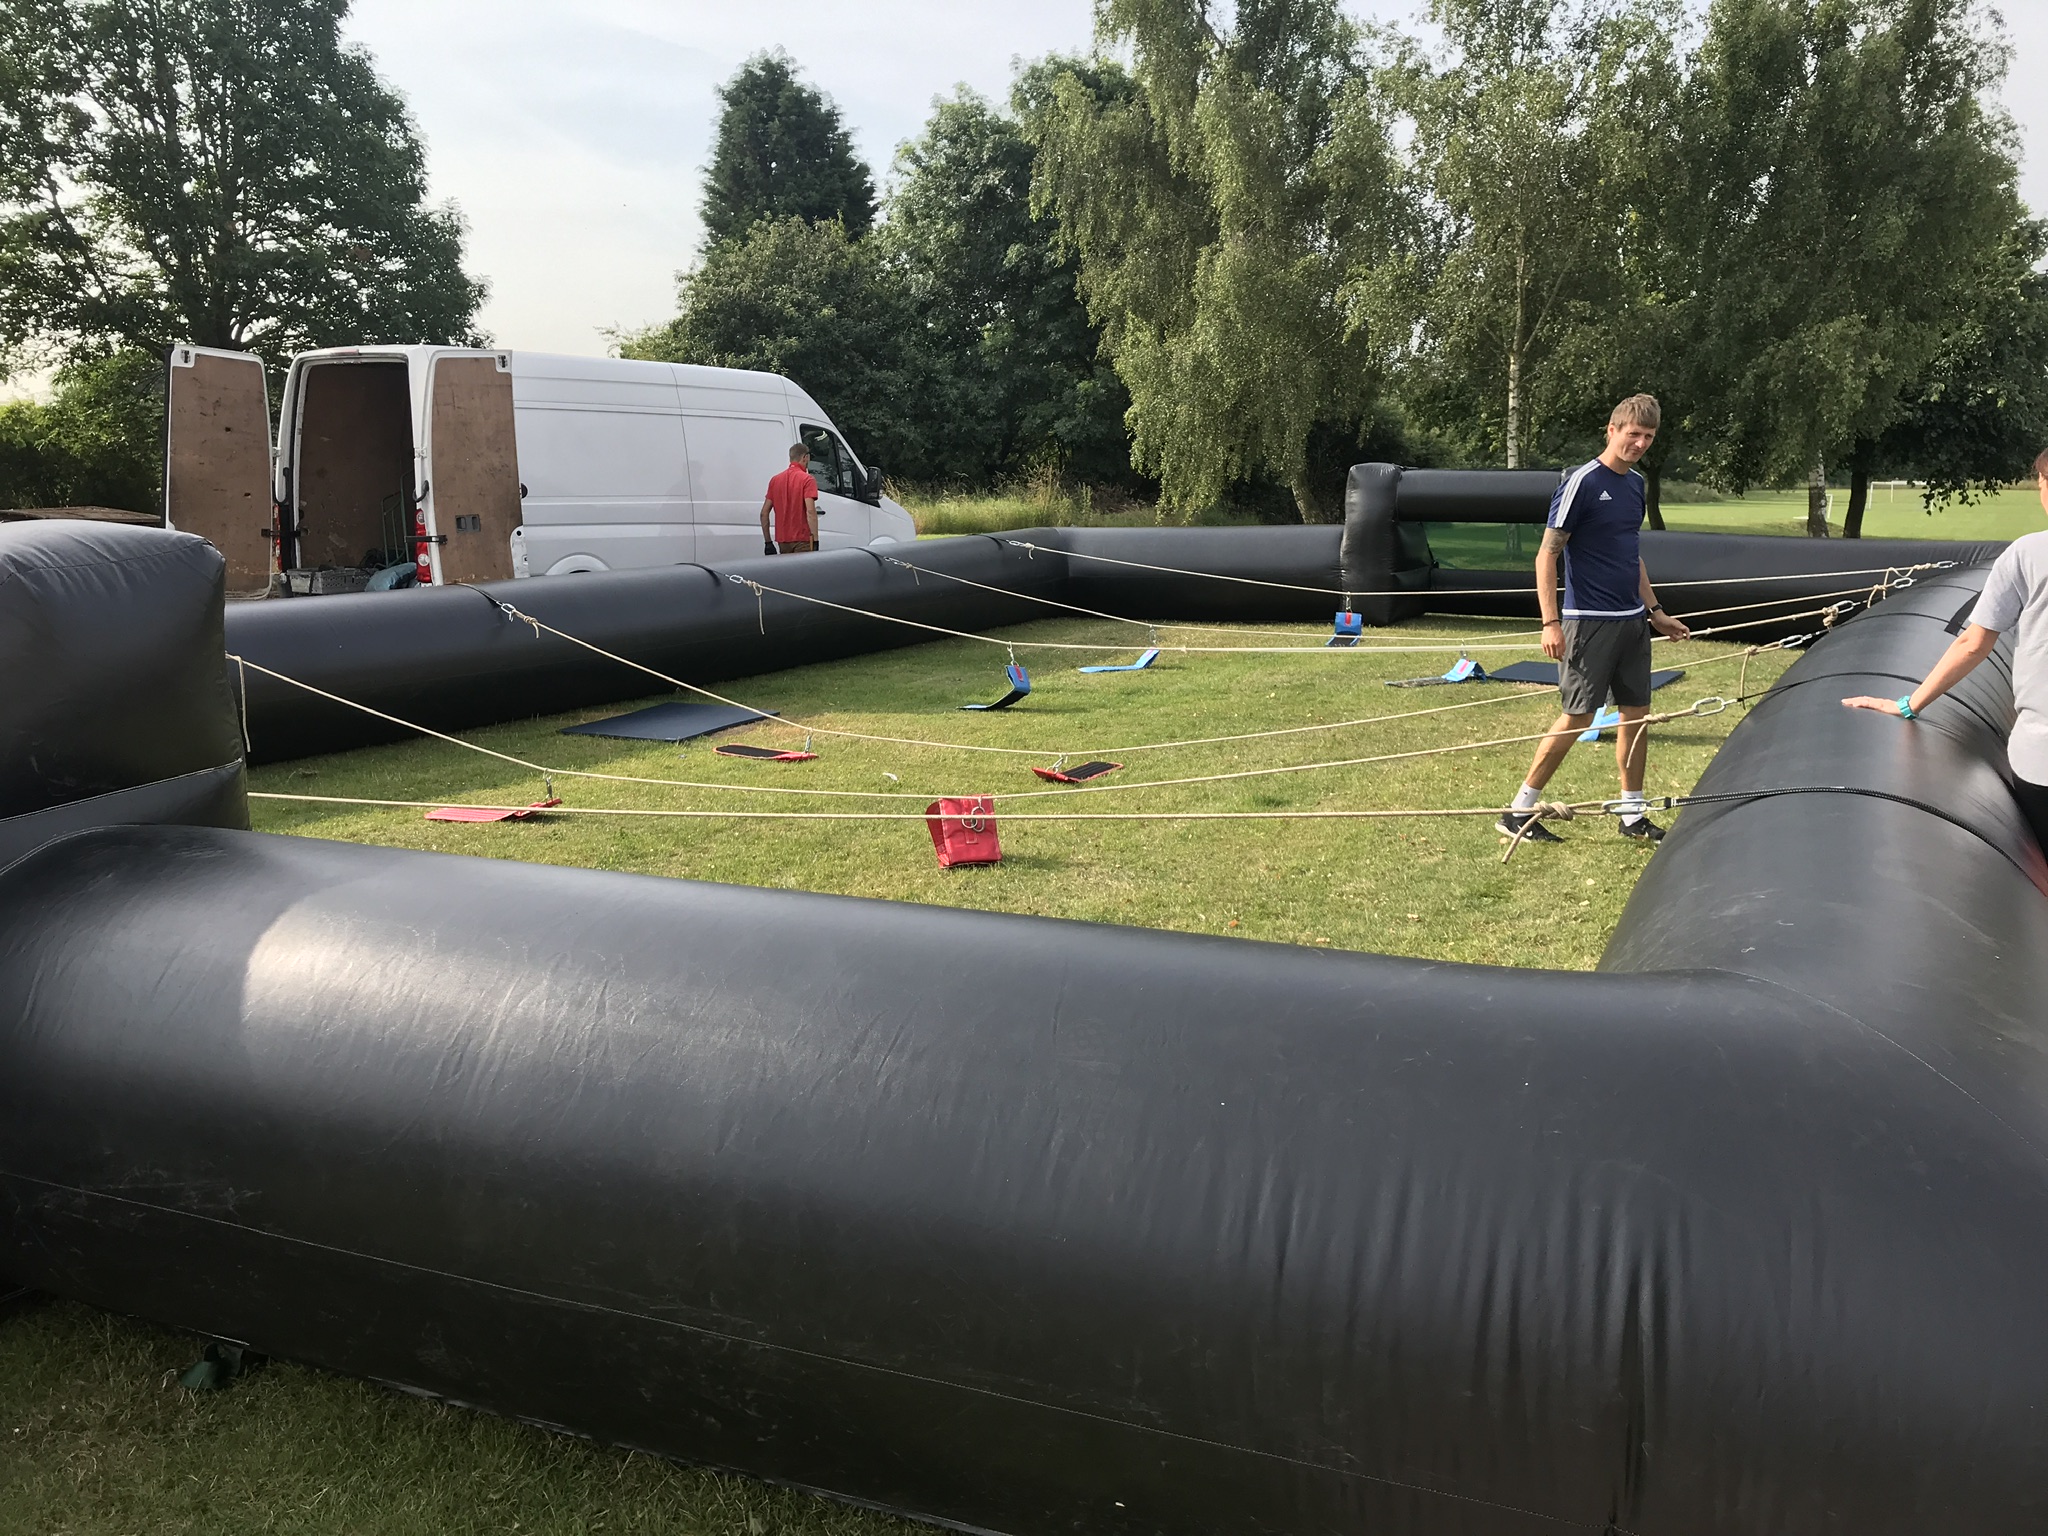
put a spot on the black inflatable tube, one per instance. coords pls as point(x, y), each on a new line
point(212, 797)
point(1030, 1226)
point(447, 658)
point(1381, 500)
point(110, 639)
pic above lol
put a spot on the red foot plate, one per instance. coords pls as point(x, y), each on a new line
point(486, 813)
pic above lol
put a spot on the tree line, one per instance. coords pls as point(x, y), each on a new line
point(1219, 259)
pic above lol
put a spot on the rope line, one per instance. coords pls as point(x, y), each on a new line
point(1156, 625)
point(548, 772)
point(766, 719)
point(758, 587)
point(1881, 589)
point(1711, 705)
point(1827, 615)
point(1289, 586)
point(1588, 806)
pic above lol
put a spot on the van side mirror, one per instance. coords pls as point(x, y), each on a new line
point(871, 488)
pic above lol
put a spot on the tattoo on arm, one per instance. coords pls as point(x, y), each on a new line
point(1555, 539)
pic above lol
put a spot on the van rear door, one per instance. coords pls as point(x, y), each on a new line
point(471, 507)
point(217, 463)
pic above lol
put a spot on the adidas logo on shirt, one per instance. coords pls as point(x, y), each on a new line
point(1605, 497)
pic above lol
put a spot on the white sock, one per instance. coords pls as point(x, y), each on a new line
point(1632, 808)
point(1526, 798)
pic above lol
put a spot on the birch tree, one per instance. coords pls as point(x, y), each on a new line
point(1217, 194)
point(1529, 126)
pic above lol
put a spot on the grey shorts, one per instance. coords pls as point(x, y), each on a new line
point(1603, 658)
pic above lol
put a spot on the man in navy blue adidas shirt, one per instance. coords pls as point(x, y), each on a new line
point(1601, 641)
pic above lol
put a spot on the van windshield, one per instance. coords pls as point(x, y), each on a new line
point(831, 464)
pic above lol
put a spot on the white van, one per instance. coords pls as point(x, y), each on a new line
point(470, 465)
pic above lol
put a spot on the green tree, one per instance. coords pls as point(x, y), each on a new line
point(95, 444)
point(1846, 182)
point(1217, 195)
point(1017, 359)
point(1531, 136)
point(781, 152)
point(806, 301)
point(1979, 414)
point(224, 172)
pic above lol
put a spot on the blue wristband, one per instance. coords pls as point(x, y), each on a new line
point(1906, 707)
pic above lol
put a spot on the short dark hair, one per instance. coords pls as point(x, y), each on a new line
point(2041, 465)
point(798, 451)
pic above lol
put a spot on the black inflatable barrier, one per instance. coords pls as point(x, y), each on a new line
point(1386, 550)
point(113, 707)
point(447, 657)
point(1034, 1226)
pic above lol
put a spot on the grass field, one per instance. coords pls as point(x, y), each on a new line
point(97, 1444)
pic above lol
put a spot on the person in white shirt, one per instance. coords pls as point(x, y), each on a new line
point(2015, 597)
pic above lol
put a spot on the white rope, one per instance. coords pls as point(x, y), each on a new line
point(1698, 708)
point(1444, 648)
point(874, 794)
point(943, 746)
point(1712, 705)
point(1881, 589)
point(1288, 586)
point(1156, 625)
point(1205, 741)
point(605, 810)
point(1827, 615)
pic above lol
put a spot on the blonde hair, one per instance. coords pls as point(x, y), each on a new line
point(1638, 411)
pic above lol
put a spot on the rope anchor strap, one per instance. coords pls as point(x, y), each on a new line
point(760, 600)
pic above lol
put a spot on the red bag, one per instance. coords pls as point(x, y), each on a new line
point(964, 830)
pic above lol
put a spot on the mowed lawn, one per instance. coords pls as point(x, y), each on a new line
point(96, 1440)
point(1428, 887)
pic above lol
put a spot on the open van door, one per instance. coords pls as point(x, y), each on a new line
point(217, 459)
point(472, 501)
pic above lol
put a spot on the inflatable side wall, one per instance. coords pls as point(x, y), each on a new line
point(450, 658)
point(1036, 1227)
point(112, 703)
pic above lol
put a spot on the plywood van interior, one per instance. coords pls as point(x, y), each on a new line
point(425, 465)
point(351, 480)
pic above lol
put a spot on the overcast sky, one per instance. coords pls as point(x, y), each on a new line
point(573, 132)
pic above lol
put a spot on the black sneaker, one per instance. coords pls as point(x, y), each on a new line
point(1643, 830)
point(1512, 822)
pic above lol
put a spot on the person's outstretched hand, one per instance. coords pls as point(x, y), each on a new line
point(1865, 701)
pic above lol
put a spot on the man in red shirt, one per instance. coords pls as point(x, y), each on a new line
point(793, 499)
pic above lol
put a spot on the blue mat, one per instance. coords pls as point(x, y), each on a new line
point(669, 722)
point(1546, 672)
point(1020, 687)
point(1139, 665)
